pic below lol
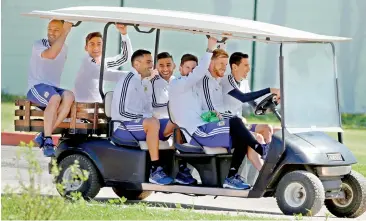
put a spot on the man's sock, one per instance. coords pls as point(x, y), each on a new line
point(48, 140)
point(154, 165)
point(259, 148)
point(182, 165)
point(232, 172)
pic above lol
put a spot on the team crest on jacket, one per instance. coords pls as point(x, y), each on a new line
point(221, 123)
point(46, 94)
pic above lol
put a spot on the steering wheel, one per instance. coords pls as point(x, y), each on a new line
point(266, 104)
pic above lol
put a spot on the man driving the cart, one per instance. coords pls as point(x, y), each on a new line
point(228, 133)
point(237, 79)
point(46, 66)
point(210, 92)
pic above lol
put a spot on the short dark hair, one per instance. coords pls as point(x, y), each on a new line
point(163, 55)
point(93, 35)
point(188, 57)
point(139, 53)
point(236, 57)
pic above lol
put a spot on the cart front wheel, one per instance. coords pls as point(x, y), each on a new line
point(354, 203)
point(300, 192)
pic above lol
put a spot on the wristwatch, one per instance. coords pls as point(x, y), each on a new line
point(209, 50)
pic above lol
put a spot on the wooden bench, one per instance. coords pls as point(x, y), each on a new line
point(84, 118)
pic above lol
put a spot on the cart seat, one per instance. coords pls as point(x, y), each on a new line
point(189, 148)
point(163, 145)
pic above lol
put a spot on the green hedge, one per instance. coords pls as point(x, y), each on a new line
point(5, 97)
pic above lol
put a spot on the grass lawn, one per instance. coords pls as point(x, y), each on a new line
point(22, 207)
point(356, 141)
point(7, 117)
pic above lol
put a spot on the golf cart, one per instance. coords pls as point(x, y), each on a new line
point(305, 167)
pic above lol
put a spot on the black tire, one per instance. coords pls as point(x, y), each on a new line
point(89, 188)
point(313, 198)
point(357, 206)
point(131, 194)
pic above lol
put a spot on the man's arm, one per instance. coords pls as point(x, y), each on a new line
point(230, 87)
point(148, 109)
point(246, 97)
point(126, 53)
point(126, 50)
point(129, 105)
point(156, 94)
point(56, 47)
point(93, 71)
point(253, 104)
point(199, 72)
point(113, 75)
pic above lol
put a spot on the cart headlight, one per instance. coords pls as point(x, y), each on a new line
point(335, 157)
point(333, 171)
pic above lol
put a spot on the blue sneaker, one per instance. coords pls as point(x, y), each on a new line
point(159, 177)
point(265, 151)
point(236, 182)
point(48, 148)
point(39, 139)
point(185, 177)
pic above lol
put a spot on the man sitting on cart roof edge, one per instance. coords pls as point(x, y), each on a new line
point(87, 79)
point(133, 107)
point(46, 66)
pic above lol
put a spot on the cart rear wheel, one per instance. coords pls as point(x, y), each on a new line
point(300, 192)
point(131, 194)
point(89, 188)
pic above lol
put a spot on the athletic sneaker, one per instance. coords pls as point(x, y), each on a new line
point(39, 139)
point(159, 177)
point(185, 177)
point(236, 182)
point(48, 148)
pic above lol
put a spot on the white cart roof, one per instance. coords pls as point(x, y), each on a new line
point(186, 21)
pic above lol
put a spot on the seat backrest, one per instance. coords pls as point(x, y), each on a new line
point(183, 134)
point(108, 103)
point(170, 114)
